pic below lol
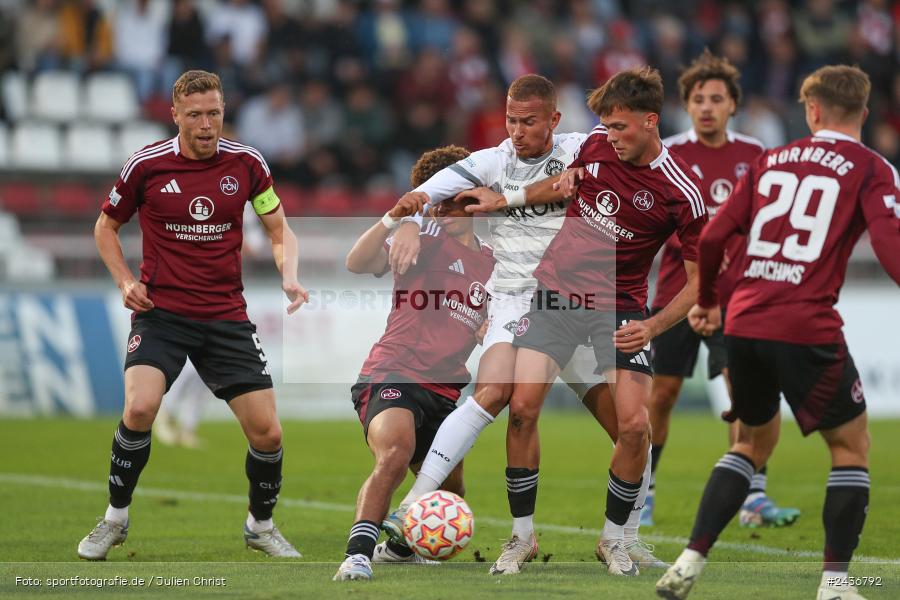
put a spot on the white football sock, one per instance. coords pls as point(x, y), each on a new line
point(258, 526)
point(634, 518)
point(611, 531)
point(835, 578)
point(454, 438)
point(523, 527)
point(688, 555)
point(116, 515)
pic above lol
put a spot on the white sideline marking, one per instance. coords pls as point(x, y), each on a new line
point(90, 486)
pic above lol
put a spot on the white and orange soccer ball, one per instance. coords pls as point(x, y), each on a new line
point(438, 525)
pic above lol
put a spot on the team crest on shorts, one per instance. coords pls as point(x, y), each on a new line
point(522, 326)
point(133, 343)
point(477, 294)
point(390, 394)
point(228, 185)
point(856, 392)
point(643, 200)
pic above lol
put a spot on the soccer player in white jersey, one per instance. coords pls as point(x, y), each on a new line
point(521, 234)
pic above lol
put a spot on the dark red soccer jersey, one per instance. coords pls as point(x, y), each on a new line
point(191, 217)
point(619, 219)
point(719, 170)
point(438, 305)
point(802, 207)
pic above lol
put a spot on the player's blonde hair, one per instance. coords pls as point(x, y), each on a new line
point(531, 86)
point(194, 81)
point(842, 90)
point(433, 161)
point(639, 89)
point(708, 66)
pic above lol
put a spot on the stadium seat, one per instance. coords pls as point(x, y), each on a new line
point(88, 148)
point(110, 98)
point(75, 199)
point(291, 198)
point(134, 136)
point(10, 233)
point(20, 199)
point(55, 96)
point(332, 202)
point(4, 146)
point(14, 95)
point(27, 263)
point(36, 146)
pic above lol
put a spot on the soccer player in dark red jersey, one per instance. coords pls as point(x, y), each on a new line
point(189, 193)
point(802, 207)
point(711, 92)
point(413, 376)
point(593, 287)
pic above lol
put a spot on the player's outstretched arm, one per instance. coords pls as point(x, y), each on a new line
point(287, 258)
point(405, 246)
point(134, 293)
point(368, 254)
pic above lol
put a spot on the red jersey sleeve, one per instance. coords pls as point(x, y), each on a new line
point(732, 219)
point(881, 210)
point(127, 194)
point(690, 218)
point(260, 175)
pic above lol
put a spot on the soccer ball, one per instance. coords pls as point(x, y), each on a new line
point(438, 525)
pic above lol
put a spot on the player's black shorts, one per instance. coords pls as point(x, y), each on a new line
point(819, 382)
point(227, 354)
point(429, 408)
point(557, 325)
point(674, 351)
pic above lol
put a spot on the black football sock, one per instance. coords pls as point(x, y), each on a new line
point(655, 453)
point(844, 514)
point(130, 453)
point(725, 492)
point(521, 490)
point(620, 498)
point(264, 472)
point(363, 536)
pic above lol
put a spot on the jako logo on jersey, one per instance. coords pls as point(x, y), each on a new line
point(643, 200)
point(720, 190)
point(554, 167)
point(390, 394)
point(133, 343)
point(477, 294)
point(741, 169)
point(608, 203)
point(114, 197)
point(228, 185)
point(522, 326)
point(856, 392)
point(201, 208)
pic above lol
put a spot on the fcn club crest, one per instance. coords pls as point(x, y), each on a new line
point(643, 200)
point(390, 394)
point(133, 343)
point(228, 185)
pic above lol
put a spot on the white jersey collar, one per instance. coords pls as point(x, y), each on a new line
point(663, 155)
point(835, 135)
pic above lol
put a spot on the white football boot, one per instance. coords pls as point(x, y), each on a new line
point(832, 591)
point(270, 542)
point(356, 567)
point(102, 537)
point(642, 553)
point(616, 558)
point(514, 554)
point(677, 582)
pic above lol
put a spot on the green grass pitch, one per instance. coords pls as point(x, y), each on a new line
point(187, 516)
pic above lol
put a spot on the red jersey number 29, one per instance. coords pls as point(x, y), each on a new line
point(794, 195)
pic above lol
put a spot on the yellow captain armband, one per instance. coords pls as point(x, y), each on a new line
point(266, 202)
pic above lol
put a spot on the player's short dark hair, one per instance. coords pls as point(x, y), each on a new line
point(531, 86)
point(841, 88)
point(706, 67)
point(433, 161)
point(194, 81)
point(639, 89)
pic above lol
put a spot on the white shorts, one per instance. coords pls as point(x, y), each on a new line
point(504, 312)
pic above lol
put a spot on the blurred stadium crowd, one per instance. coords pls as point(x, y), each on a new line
point(341, 96)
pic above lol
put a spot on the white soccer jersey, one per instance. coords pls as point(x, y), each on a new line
point(521, 235)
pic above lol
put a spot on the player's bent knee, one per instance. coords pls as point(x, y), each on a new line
point(268, 439)
point(493, 397)
point(140, 412)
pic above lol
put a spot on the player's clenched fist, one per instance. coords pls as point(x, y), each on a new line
point(134, 296)
point(569, 181)
point(705, 320)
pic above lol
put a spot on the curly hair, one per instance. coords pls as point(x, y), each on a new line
point(433, 161)
point(708, 66)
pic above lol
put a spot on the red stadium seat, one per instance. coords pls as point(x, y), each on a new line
point(292, 199)
point(75, 199)
point(334, 202)
point(21, 199)
point(378, 203)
